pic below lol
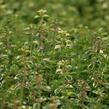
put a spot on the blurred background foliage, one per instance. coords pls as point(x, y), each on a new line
point(92, 13)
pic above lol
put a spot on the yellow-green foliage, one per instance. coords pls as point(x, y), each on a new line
point(54, 54)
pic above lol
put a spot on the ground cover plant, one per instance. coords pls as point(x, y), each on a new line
point(54, 54)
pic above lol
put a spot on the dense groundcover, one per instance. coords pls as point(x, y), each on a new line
point(54, 54)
